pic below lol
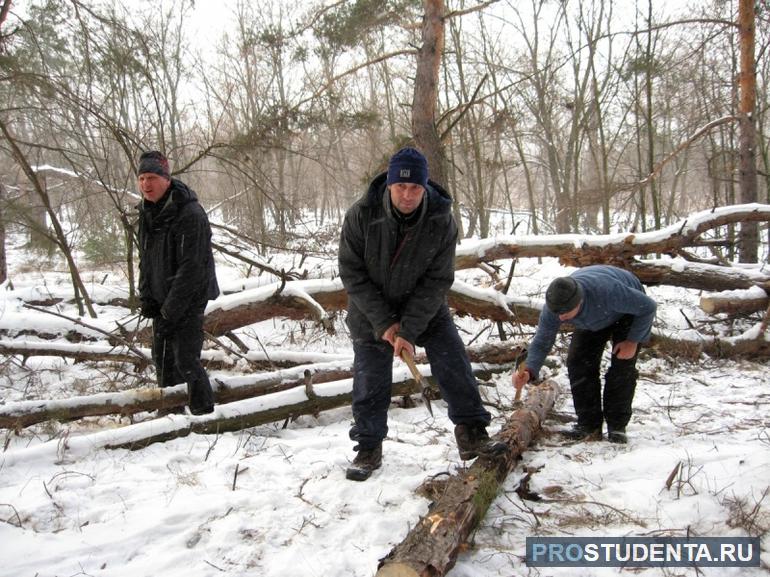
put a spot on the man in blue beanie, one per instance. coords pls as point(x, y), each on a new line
point(176, 277)
point(396, 259)
point(604, 303)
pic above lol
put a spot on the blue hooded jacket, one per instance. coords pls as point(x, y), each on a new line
point(609, 293)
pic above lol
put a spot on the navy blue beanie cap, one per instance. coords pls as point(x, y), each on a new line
point(408, 165)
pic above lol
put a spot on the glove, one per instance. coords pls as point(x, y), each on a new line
point(163, 327)
point(149, 308)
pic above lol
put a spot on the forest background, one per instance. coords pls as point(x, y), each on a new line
point(541, 117)
point(584, 117)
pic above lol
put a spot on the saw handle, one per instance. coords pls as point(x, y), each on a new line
point(520, 370)
point(409, 360)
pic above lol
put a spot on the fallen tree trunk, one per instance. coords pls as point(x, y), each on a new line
point(78, 352)
point(752, 346)
point(25, 413)
point(212, 359)
point(582, 250)
point(430, 549)
point(22, 414)
point(284, 405)
point(698, 276)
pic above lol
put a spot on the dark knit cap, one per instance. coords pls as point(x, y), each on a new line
point(563, 295)
point(408, 165)
point(155, 162)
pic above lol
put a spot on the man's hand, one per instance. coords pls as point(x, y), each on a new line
point(149, 308)
point(521, 378)
point(390, 334)
point(401, 344)
point(398, 343)
point(625, 350)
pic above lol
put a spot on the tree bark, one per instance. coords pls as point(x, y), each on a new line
point(698, 276)
point(3, 258)
point(426, 90)
point(430, 549)
point(749, 235)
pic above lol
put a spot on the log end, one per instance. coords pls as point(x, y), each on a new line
point(707, 305)
point(396, 569)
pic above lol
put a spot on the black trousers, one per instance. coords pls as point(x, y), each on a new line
point(176, 351)
point(584, 365)
point(373, 380)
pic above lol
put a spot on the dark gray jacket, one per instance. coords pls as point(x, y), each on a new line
point(396, 272)
point(176, 267)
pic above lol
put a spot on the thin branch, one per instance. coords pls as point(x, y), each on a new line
point(465, 109)
point(465, 11)
point(79, 322)
point(686, 144)
point(325, 87)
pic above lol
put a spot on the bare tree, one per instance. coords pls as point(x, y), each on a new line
point(81, 294)
point(426, 85)
point(3, 257)
point(748, 141)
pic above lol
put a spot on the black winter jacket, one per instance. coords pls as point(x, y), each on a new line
point(176, 267)
point(395, 272)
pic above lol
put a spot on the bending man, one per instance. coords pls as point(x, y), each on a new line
point(604, 303)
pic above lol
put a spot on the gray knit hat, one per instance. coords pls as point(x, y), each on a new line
point(563, 295)
point(153, 161)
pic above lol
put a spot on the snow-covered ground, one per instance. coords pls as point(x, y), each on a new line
point(273, 500)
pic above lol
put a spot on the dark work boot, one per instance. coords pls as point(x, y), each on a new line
point(473, 440)
point(617, 436)
point(366, 461)
point(200, 397)
point(583, 433)
point(204, 410)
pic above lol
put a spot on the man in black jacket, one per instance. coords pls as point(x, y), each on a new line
point(396, 259)
point(176, 277)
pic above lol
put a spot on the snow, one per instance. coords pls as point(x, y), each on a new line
point(273, 500)
point(294, 288)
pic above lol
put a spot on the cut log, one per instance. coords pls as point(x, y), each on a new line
point(698, 276)
point(735, 302)
point(430, 549)
point(495, 357)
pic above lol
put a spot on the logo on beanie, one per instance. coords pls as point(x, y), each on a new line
point(405, 173)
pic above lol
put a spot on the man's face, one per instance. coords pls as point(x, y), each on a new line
point(153, 186)
point(406, 196)
point(569, 315)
